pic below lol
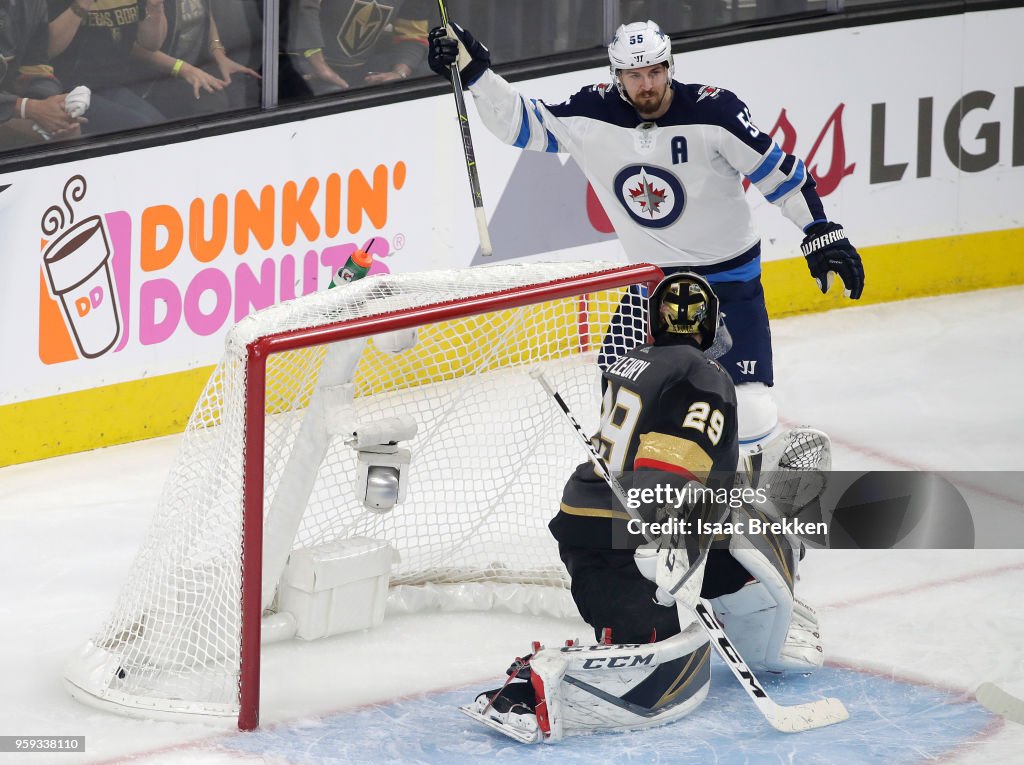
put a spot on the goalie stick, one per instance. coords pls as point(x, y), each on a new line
point(787, 719)
point(1004, 704)
point(467, 145)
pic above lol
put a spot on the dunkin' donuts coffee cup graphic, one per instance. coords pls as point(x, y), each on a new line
point(78, 269)
point(78, 273)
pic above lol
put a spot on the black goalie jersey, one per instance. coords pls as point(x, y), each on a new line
point(668, 416)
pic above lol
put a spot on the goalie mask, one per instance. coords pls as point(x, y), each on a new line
point(637, 45)
point(684, 304)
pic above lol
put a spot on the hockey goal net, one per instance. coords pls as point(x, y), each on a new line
point(264, 469)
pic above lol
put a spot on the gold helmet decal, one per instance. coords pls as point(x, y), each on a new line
point(684, 304)
point(683, 308)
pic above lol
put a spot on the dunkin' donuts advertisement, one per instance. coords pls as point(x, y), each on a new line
point(136, 265)
point(105, 278)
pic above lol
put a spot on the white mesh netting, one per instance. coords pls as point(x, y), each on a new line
point(489, 461)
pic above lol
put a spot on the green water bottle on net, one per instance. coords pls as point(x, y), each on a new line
point(355, 268)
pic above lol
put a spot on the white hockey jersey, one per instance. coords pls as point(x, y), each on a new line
point(672, 188)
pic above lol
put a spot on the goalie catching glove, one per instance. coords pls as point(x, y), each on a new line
point(829, 252)
point(443, 50)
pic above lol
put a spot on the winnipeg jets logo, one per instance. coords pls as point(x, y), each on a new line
point(649, 198)
point(651, 195)
point(707, 91)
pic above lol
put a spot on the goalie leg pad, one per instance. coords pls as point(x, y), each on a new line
point(771, 629)
point(631, 686)
point(582, 689)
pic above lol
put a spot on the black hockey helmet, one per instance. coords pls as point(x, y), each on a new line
point(685, 304)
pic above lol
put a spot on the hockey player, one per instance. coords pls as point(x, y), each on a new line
point(669, 416)
point(667, 161)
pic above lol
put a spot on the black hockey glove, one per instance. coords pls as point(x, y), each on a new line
point(444, 50)
point(828, 252)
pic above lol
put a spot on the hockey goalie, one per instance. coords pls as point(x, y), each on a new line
point(668, 428)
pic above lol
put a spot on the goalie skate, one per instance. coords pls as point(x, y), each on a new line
point(514, 718)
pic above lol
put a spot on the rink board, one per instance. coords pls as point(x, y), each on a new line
point(891, 721)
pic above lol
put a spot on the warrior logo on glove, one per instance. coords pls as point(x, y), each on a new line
point(829, 252)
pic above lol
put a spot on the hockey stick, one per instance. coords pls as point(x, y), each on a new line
point(1004, 704)
point(467, 146)
point(787, 719)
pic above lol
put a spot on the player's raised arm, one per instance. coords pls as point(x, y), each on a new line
point(515, 120)
point(785, 182)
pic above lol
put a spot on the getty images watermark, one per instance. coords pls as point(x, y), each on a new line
point(693, 495)
point(837, 509)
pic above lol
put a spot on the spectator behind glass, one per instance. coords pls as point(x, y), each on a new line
point(240, 28)
point(29, 93)
point(197, 71)
point(334, 45)
point(91, 43)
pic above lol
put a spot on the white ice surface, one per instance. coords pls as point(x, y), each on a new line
point(931, 384)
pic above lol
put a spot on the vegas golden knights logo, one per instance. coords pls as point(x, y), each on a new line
point(365, 21)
